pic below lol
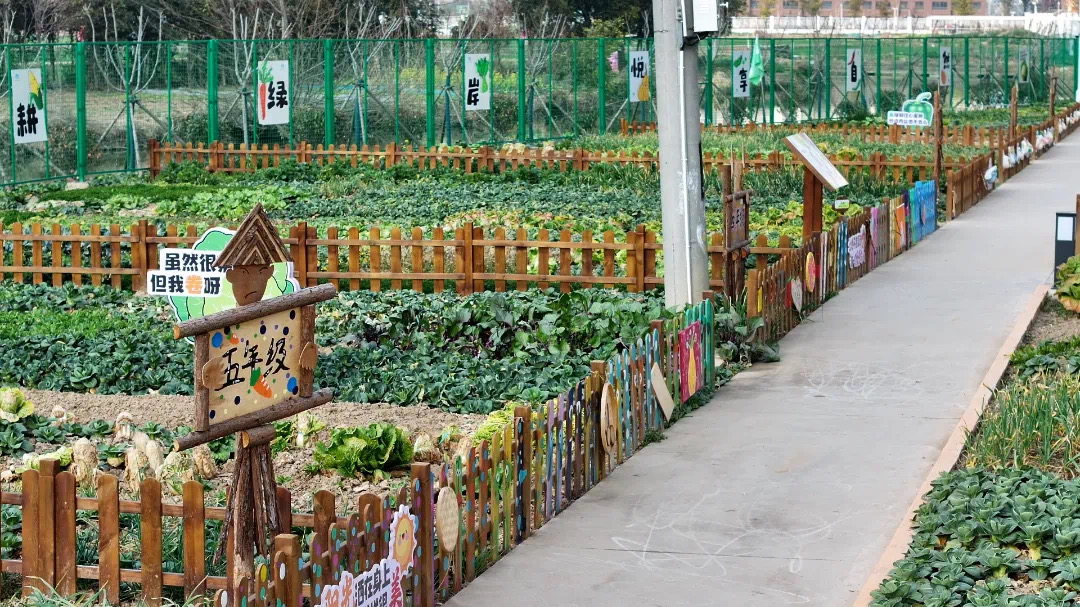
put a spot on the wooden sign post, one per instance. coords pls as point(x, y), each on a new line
point(818, 173)
point(254, 364)
point(736, 232)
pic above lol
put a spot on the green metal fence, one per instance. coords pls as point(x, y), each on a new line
point(105, 100)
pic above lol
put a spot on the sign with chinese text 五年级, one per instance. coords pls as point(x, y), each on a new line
point(691, 368)
point(274, 92)
point(260, 363)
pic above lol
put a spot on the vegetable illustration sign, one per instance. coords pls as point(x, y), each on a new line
point(1025, 66)
point(196, 288)
point(28, 106)
point(274, 93)
point(915, 112)
point(478, 81)
point(853, 69)
point(379, 586)
point(945, 66)
point(639, 76)
point(740, 73)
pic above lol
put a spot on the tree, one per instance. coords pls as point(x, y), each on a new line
point(884, 8)
point(810, 7)
point(767, 8)
point(963, 7)
point(854, 8)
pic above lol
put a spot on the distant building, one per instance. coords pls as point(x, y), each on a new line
point(870, 8)
point(452, 13)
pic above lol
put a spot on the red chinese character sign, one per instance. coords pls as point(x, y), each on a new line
point(274, 94)
point(254, 364)
point(691, 368)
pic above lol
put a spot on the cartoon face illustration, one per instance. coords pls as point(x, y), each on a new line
point(249, 282)
point(403, 538)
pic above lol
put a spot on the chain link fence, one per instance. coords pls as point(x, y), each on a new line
point(104, 101)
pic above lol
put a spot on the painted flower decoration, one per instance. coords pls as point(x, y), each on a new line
point(403, 538)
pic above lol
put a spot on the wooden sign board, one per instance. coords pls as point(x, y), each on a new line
point(807, 151)
point(660, 389)
point(254, 364)
point(737, 221)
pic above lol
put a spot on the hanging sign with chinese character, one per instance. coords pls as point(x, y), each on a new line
point(945, 66)
point(853, 69)
point(736, 221)
point(28, 106)
point(740, 73)
point(196, 288)
point(478, 81)
point(274, 92)
point(639, 76)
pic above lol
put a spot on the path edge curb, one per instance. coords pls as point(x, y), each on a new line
point(954, 446)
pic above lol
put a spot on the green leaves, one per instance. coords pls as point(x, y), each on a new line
point(377, 447)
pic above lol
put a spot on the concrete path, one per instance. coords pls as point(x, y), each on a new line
point(786, 488)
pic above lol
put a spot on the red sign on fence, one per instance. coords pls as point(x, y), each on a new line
point(691, 376)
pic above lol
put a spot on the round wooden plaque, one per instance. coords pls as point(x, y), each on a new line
point(447, 519)
point(609, 415)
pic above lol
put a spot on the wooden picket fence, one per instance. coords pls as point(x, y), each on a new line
point(533, 469)
point(239, 158)
point(968, 135)
point(891, 227)
point(465, 260)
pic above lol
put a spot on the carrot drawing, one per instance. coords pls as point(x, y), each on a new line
point(265, 78)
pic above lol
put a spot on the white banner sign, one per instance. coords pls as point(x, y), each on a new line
point(274, 92)
point(639, 76)
point(185, 272)
point(478, 79)
point(945, 66)
point(853, 69)
point(740, 73)
point(28, 106)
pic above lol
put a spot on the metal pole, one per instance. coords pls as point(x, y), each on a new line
point(967, 71)
point(520, 90)
point(681, 196)
point(708, 82)
point(601, 82)
point(828, 79)
point(211, 91)
point(772, 81)
point(429, 81)
point(877, 79)
point(80, 110)
point(328, 93)
point(168, 89)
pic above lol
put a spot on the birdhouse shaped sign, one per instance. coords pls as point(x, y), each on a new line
point(255, 363)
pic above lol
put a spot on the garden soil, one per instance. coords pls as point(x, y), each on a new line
point(1053, 323)
point(290, 465)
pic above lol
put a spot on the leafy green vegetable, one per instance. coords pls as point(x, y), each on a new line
point(377, 447)
point(13, 405)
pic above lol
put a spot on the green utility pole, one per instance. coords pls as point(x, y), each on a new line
point(80, 110)
point(328, 93)
point(708, 82)
point(211, 90)
point(601, 81)
point(429, 86)
point(520, 90)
